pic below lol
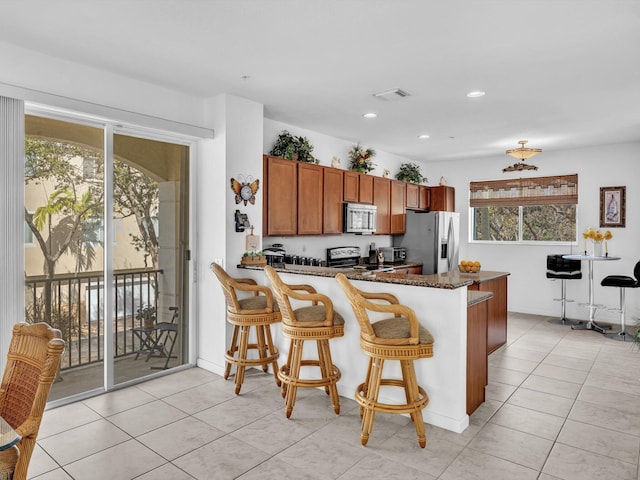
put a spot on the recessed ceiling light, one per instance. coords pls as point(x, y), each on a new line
point(423, 136)
point(476, 94)
point(370, 115)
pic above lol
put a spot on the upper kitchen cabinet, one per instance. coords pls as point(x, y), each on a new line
point(358, 187)
point(382, 200)
point(413, 196)
point(310, 198)
point(366, 195)
point(351, 192)
point(332, 201)
point(398, 206)
point(443, 199)
point(418, 197)
point(280, 194)
point(424, 198)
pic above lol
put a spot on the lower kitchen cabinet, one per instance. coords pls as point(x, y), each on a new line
point(477, 369)
point(496, 311)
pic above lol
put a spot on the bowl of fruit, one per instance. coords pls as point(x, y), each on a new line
point(469, 266)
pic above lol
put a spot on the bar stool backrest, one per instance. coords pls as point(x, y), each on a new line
point(282, 292)
point(559, 267)
point(231, 285)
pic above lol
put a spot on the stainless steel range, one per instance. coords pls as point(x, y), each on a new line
point(343, 257)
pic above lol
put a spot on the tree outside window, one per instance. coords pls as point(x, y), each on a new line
point(539, 209)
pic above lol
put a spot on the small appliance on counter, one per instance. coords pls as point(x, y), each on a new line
point(274, 253)
point(343, 257)
point(349, 257)
point(394, 254)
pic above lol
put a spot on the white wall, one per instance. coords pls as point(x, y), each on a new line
point(45, 76)
point(236, 151)
point(529, 289)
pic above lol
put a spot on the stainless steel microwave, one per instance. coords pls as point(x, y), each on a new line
point(359, 218)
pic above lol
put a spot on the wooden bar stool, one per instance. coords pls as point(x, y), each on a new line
point(257, 311)
point(315, 322)
point(399, 337)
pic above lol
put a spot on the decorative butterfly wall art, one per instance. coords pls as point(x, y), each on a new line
point(245, 190)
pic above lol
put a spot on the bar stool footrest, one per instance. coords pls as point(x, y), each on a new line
point(332, 379)
point(366, 403)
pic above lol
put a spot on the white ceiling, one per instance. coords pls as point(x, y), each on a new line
point(559, 73)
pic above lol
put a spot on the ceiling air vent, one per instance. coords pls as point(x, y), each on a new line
point(391, 95)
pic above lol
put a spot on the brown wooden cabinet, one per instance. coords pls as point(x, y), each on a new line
point(398, 207)
point(351, 190)
point(365, 193)
point(497, 311)
point(310, 198)
point(413, 196)
point(443, 199)
point(382, 200)
point(408, 270)
point(280, 196)
point(332, 201)
point(477, 369)
point(419, 197)
point(424, 198)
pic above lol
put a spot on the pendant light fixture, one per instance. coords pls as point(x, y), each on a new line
point(522, 153)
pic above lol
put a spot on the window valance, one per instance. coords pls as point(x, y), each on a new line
point(562, 189)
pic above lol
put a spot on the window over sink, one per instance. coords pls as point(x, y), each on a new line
point(526, 210)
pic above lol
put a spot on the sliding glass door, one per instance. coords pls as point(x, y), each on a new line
point(150, 200)
point(113, 285)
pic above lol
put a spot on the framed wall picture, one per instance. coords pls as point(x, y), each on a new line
point(613, 206)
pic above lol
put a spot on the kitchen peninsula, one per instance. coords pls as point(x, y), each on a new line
point(446, 303)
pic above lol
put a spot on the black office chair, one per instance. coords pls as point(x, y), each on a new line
point(622, 282)
point(563, 270)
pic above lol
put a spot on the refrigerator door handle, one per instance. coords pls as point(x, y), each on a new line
point(451, 251)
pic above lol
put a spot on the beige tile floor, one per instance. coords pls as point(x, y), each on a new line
point(561, 404)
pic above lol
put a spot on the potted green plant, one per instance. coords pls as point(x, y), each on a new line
point(410, 172)
point(254, 258)
point(293, 147)
point(361, 158)
point(147, 315)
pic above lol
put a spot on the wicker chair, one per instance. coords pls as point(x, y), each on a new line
point(32, 363)
point(257, 311)
point(400, 337)
point(314, 322)
point(8, 460)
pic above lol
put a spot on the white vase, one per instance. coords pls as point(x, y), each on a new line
point(596, 249)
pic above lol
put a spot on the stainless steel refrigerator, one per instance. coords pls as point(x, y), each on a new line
point(433, 239)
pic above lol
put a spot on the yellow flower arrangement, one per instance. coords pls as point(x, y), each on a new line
point(597, 236)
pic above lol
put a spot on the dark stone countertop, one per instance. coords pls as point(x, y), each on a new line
point(448, 280)
point(474, 297)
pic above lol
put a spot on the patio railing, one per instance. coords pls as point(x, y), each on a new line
point(77, 309)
